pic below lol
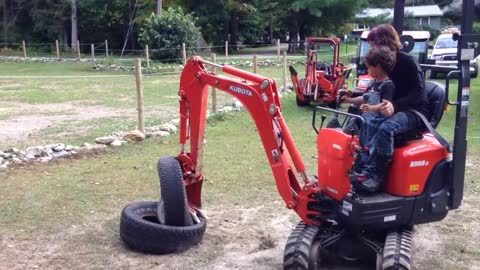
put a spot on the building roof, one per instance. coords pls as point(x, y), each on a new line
point(424, 11)
point(416, 11)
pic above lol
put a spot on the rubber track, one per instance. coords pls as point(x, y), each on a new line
point(297, 249)
point(397, 251)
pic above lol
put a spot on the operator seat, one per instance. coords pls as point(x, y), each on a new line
point(325, 67)
point(436, 101)
point(436, 105)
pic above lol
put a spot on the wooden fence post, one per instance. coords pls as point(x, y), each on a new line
point(278, 49)
point(284, 73)
point(139, 83)
point(226, 50)
point(147, 56)
point(24, 48)
point(255, 64)
point(214, 91)
point(106, 48)
point(93, 54)
point(57, 49)
point(78, 50)
point(184, 53)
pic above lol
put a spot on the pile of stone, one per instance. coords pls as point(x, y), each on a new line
point(266, 63)
point(45, 153)
point(145, 70)
point(18, 59)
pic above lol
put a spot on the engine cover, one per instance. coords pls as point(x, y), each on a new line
point(412, 164)
point(335, 159)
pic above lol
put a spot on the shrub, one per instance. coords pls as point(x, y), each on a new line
point(165, 34)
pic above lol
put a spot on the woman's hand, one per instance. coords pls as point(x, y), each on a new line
point(386, 108)
point(365, 108)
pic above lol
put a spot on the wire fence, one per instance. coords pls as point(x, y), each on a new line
point(101, 50)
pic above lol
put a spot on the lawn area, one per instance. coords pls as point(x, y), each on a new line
point(72, 104)
point(65, 215)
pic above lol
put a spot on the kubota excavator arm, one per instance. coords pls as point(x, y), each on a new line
point(260, 97)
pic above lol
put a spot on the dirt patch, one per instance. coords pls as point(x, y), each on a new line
point(25, 120)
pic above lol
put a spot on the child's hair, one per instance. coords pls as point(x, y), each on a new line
point(385, 35)
point(381, 55)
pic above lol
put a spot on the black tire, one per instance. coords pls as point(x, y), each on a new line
point(474, 74)
point(141, 231)
point(173, 194)
point(303, 251)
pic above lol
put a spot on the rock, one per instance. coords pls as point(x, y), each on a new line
point(7, 155)
point(35, 151)
point(116, 143)
point(160, 133)
point(134, 136)
point(1, 160)
point(169, 128)
point(14, 150)
point(175, 122)
point(45, 159)
point(61, 154)
point(227, 109)
point(1, 154)
point(3, 167)
point(97, 146)
point(105, 140)
point(59, 148)
point(47, 152)
point(17, 161)
point(69, 148)
point(237, 105)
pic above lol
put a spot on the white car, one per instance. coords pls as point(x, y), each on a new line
point(445, 54)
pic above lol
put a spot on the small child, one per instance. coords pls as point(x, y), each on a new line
point(380, 61)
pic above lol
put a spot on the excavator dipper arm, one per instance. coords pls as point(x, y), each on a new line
point(260, 97)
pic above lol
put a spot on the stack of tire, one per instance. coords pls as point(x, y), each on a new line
point(165, 226)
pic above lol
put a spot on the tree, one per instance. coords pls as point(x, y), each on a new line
point(159, 7)
point(320, 18)
point(166, 33)
point(74, 25)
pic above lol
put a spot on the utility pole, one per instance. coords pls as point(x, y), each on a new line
point(159, 7)
point(74, 25)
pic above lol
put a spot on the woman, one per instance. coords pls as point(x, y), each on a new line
point(409, 94)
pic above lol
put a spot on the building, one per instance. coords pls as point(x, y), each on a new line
point(430, 16)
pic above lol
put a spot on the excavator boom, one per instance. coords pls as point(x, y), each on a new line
point(260, 97)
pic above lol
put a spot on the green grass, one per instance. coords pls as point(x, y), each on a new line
point(46, 201)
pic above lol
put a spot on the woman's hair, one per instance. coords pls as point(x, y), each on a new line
point(385, 35)
point(381, 55)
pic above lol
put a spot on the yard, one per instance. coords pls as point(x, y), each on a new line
point(65, 215)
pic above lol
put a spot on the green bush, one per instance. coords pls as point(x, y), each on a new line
point(165, 34)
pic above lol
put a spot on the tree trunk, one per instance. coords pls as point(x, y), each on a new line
point(74, 25)
point(270, 31)
point(5, 23)
point(233, 31)
point(159, 7)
